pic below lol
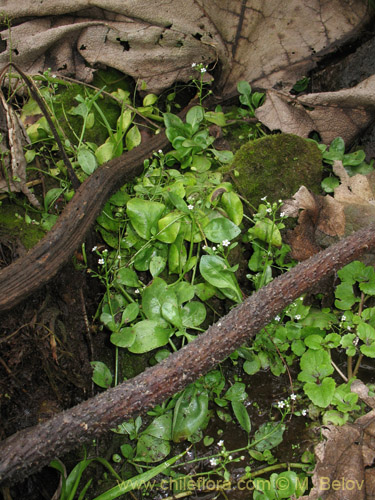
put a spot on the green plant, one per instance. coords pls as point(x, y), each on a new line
point(354, 163)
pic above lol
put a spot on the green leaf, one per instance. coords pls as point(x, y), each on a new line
point(151, 304)
point(321, 394)
point(87, 160)
point(149, 335)
point(204, 291)
point(241, 415)
point(178, 202)
point(233, 206)
point(244, 89)
point(194, 117)
point(236, 392)
point(124, 121)
point(190, 413)
point(315, 365)
point(150, 99)
point(131, 311)
point(345, 297)
point(223, 156)
point(101, 375)
point(125, 337)
point(284, 484)
point(200, 164)
point(170, 309)
point(252, 366)
point(151, 449)
point(354, 159)
point(157, 265)
point(184, 291)
point(319, 318)
point(133, 138)
point(368, 350)
point(220, 229)
point(214, 271)
point(161, 427)
point(266, 230)
point(169, 227)
point(335, 417)
point(329, 184)
point(216, 117)
point(105, 152)
point(51, 196)
point(268, 436)
point(128, 277)
point(144, 215)
point(193, 314)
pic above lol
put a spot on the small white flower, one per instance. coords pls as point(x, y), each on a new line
point(193, 65)
point(136, 291)
point(230, 457)
point(214, 249)
point(220, 443)
point(282, 214)
point(219, 324)
point(203, 70)
point(293, 397)
point(101, 261)
point(281, 404)
point(160, 151)
point(297, 316)
point(53, 76)
point(94, 249)
point(268, 210)
point(105, 250)
point(264, 198)
point(242, 457)
point(190, 207)
point(280, 201)
point(304, 412)
point(355, 341)
point(349, 328)
point(225, 243)
point(205, 247)
point(277, 318)
point(343, 317)
point(213, 461)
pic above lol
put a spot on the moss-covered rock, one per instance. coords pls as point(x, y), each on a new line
point(13, 225)
point(276, 166)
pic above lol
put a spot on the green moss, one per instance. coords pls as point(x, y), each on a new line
point(276, 166)
point(14, 226)
point(132, 365)
point(108, 80)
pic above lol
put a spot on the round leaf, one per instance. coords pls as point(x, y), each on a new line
point(87, 160)
point(220, 229)
point(149, 335)
point(143, 215)
point(101, 374)
point(128, 277)
point(123, 338)
point(133, 138)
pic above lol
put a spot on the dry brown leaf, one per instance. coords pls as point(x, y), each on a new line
point(344, 113)
point(263, 42)
point(345, 460)
point(351, 208)
point(356, 195)
point(315, 213)
point(13, 174)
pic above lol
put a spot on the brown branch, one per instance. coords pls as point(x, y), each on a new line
point(42, 262)
point(28, 450)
